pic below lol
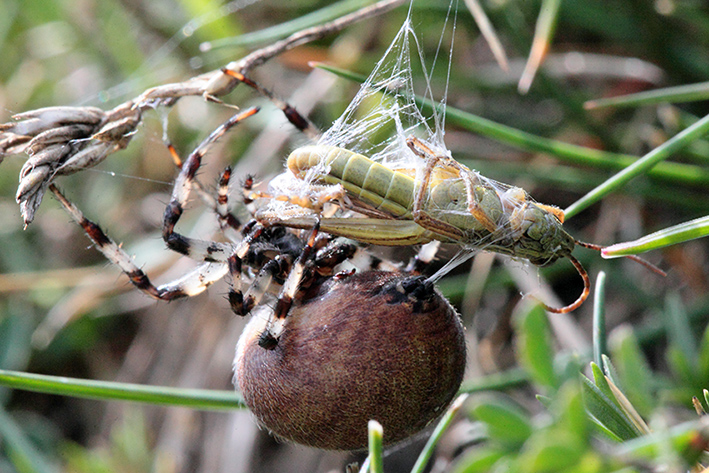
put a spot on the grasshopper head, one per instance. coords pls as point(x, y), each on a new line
point(545, 240)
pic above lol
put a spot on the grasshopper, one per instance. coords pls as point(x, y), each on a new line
point(449, 203)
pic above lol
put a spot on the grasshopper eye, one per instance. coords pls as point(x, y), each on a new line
point(375, 345)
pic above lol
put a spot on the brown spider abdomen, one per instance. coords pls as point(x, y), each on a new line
point(375, 345)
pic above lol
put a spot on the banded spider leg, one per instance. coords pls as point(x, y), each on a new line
point(217, 258)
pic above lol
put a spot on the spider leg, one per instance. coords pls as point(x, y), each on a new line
point(423, 258)
point(277, 318)
point(194, 248)
point(218, 205)
point(293, 116)
point(191, 284)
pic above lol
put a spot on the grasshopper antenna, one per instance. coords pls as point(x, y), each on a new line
point(587, 282)
point(637, 259)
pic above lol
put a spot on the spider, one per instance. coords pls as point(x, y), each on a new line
point(277, 254)
point(338, 348)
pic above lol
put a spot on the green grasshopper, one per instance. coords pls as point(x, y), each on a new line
point(450, 203)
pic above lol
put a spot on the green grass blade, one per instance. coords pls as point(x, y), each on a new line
point(438, 432)
point(203, 399)
point(599, 320)
point(642, 165)
point(376, 448)
point(496, 382)
point(678, 94)
point(282, 30)
point(686, 231)
point(667, 171)
point(606, 412)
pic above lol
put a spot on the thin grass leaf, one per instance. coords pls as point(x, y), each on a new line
point(686, 438)
point(686, 231)
point(21, 450)
point(610, 372)
point(438, 432)
point(282, 30)
point(489, 33)
point(543, 34)
point(667, 171)
point(629, 410)
point(506, 422)
point(637, 375)
point(551, 450)
point(680, 331)
point(662, 152)
point(606, 412)
point(376, 449)
point(202, 399)
point(569, 408)
point(703, 356)
point(599, 378)
point(677, 94)
point(480, 460)
point(496, 381)
point(600, 345)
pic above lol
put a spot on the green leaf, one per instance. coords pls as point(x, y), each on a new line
point(606, 412)
point(703, 361)
point(686, 440)
point(633, 367)
point(571, 410)
point(681, 233)
point(534, 345)
point(599, 319)
point(479, 460)
point(677, 94)
point(599, 378)
point(641, 166)
point(376, 449)
point(610, 371)
point(680, 331)
point(105, 390)
point(551, 450)
point(506, 422)
point(680, 366)
point(438, 432)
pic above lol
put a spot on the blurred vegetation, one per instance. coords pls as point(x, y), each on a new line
point(65, 312)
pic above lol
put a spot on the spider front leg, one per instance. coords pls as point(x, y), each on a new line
point(293, 116)
point(189, 285)
point(196, 249)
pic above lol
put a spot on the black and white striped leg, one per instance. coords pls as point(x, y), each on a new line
point(191, 284)
point(277, 318)
point(227, 220)
point(193, 248)
point(235, 263)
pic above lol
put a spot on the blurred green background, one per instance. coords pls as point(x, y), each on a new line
point(64, 311)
